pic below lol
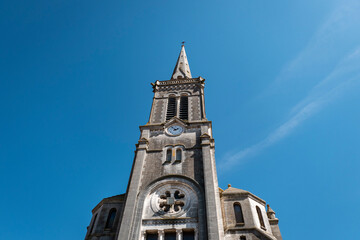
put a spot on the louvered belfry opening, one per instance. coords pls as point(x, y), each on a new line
point(171, 110)
point(184, 108)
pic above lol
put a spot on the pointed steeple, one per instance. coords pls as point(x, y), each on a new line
point(182, 69)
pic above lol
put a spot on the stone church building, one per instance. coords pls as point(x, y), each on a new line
point(173, 191)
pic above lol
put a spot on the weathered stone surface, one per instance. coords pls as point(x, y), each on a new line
point(100, 213)
point(173, 186)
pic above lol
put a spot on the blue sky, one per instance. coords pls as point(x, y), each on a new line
point(282, 90)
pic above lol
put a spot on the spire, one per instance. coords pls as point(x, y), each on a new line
point(182, 69)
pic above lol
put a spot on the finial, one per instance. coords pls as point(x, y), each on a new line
point(229, 185)
point(270, 213)
point(183, 43)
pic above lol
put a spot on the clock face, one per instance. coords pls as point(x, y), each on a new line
point(175, 130)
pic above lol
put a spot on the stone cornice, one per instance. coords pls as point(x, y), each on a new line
point(183, 81)
point(175, 120)
point(251, 229)
point(231, 196)
point(115, 199)
point(168, 221)
point(190, 96)
point(207, 140)
point(179, 81)
point(162, 125)
point(274, 221)
point(142, 144)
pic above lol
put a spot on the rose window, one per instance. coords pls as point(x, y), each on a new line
point(172, 202)
point(174, 199)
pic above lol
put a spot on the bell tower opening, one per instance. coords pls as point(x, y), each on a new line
point(184, 107)
point(171, 108)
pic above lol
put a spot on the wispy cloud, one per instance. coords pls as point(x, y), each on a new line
point(329, 43)
point(345, 74)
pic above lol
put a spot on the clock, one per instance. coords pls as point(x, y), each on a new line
point(175, 130)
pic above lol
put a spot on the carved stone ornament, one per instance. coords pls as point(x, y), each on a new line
point(171, 200)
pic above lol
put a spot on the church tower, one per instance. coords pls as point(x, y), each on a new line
point(173, 191)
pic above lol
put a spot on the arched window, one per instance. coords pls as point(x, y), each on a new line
point(93, 224)
point(178, 155)
point(111, 218)
point(262, 224)
point(168, 155)
point(238, 213)
point(171, 110)
point(184, 108)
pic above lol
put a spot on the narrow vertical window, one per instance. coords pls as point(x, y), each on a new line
point(178, 154)
point(170, 236)
point(189, 235)
point(151, 236)
point(262, 224)
point(168, 154)
point(171, 110)
point(238, 213)
point(93, 224)
point(111, 218)
point(184, 108)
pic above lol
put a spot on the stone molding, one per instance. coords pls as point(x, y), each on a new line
point(153, 126)
point(175, 120)
point(235, 196)
point(151, 222)
point(251, 230)
point(207, 140)
point(178, 81)
point(142, 144)
point(115, 199)
point(176, 87)
point(178, 84)
point(191, 95)
point(274, 221)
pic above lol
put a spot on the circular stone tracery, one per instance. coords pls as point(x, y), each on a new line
point(171, 200)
